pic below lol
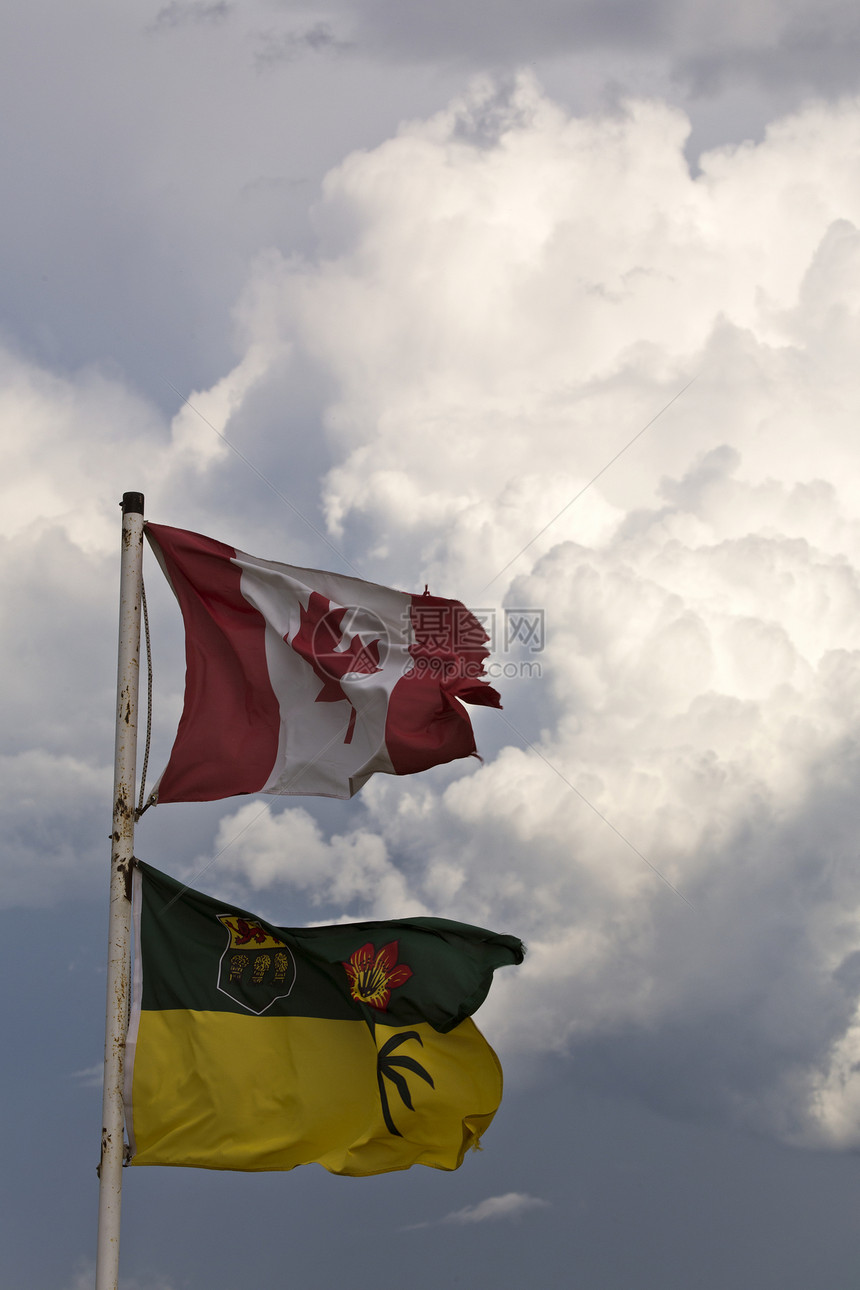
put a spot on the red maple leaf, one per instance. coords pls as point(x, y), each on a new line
point(317, 640)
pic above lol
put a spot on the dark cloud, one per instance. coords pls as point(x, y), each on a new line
point(822, 62)
point(277, 47)
point(762, 1010)
point(803, 45)
point(178, 14)
point(505, 31)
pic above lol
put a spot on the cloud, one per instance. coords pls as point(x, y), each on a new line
point(510, 1206)
point(178, 14)
point(53, 814)
point(466, 295)
point(803, 44)
point(800, 45)
point(349, 869)
point(504, 296)
point(275, 47)
point(75, 444)
point(90, 1076)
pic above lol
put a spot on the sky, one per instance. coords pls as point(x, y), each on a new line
point(555, 309)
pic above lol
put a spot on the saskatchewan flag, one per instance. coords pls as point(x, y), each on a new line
point(258, 1047)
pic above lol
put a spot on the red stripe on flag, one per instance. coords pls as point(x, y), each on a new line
point(426, 723)
point(227, 739)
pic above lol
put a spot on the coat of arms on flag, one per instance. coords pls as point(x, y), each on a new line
point(256, 968)
point(363, 1059)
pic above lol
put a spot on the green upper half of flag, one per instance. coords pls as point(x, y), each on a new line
point(205, 955)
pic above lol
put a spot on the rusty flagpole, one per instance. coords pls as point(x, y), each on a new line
point(119, 927)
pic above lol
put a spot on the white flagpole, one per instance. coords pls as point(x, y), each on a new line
point(119, 928)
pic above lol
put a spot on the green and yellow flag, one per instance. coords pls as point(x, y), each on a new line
point(258, 1047)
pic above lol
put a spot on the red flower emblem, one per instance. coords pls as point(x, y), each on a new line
point(373, 974)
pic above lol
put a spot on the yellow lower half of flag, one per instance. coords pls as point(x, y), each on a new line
point(219, 1090)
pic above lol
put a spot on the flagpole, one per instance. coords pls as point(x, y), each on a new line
point(119, 927)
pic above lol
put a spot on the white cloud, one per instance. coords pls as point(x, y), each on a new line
point(90, 1076)
point(65, 440)
point(71, 445)
point(266, 847)
point(53, 821)
point(497, 321)
point(512, 1205)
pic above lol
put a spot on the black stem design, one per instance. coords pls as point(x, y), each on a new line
point(387, 1069)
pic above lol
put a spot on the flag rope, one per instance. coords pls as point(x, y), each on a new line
point(140, 806)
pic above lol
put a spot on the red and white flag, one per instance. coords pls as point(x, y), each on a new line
point(304, 682)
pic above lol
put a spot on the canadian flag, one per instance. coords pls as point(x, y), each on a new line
point(304, 682)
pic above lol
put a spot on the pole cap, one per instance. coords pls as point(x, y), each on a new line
point(132, 503)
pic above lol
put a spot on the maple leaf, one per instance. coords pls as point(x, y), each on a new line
point(318, 640)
